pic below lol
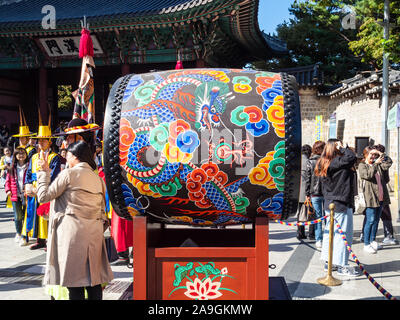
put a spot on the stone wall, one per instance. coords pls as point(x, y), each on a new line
point(312, 106)
point(362, 118)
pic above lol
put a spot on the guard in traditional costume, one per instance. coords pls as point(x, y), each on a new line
point(25, 135)
point(78, 129)
point(35, 224)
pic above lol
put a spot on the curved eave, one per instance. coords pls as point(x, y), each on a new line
point(244, 26)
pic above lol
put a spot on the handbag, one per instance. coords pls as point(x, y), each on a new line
point(111, 249)
point(359, 200)
point(310, 210)
point(306, 211)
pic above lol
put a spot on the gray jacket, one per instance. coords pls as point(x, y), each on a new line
point(302, 193)
point(367, 175)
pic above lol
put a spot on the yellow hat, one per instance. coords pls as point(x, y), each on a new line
point(23, 132)
point(44, 131)
point(23, 128)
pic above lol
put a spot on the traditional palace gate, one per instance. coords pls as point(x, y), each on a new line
point(128, 36)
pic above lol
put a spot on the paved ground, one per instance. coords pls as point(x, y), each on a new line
point(21, 269)
point(299, 263)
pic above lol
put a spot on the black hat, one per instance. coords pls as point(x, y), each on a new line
point(78, 125)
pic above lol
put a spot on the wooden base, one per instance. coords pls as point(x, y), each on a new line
point(226, 263)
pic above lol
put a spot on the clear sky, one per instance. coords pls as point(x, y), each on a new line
point(273, 12)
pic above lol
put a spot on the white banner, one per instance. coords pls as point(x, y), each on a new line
point(67, 46)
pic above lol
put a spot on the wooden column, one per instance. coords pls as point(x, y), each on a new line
point(99, 101)
point(261, 247)
point(200, 63)
point(44, 108)
point(125, 69)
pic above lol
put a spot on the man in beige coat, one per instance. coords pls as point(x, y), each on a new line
point(76, 255)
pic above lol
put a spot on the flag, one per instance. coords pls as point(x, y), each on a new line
point(179, 64)
point(84, 96)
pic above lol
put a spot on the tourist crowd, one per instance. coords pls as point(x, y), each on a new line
point(332, 173)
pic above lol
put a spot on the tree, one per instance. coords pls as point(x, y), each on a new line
point(64, 98)
point(317, 34)
point(370, 43)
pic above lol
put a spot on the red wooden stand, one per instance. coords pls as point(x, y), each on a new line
point(240, 255)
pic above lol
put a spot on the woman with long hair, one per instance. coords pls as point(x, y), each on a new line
point(14, 188)
point(373, 172)
point(76, 256)
point(334, 168)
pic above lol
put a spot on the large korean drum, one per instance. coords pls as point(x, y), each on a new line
point(203, 147)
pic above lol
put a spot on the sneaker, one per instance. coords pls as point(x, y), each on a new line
point(348, 271)
point(334, 267)
point(318, 244)
point(375, 245)
point(123, 255)
point(23, 242)
point(120, 262)
point(17, 238)
point(389, 241)
point(369, 249)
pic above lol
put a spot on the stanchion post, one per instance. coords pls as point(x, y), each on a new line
point(329, 280)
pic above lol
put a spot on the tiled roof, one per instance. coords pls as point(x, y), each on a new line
point(369, 82)
point(219, 30)
point(276, 44)
point(306, 76)
point(31, 10)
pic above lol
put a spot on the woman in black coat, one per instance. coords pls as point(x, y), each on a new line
point(335, 167)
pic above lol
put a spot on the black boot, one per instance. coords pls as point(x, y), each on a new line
point(301, 234)
point(40, 243)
